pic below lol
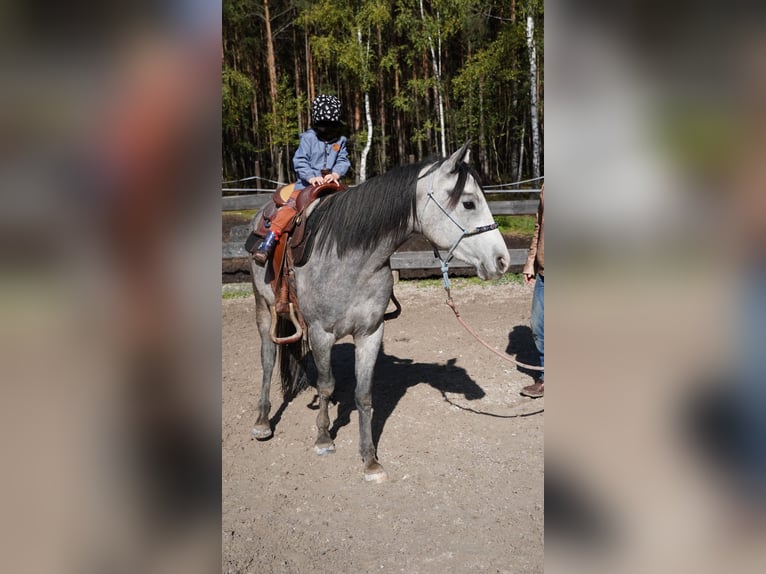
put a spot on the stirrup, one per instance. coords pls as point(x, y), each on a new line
point(295, 337)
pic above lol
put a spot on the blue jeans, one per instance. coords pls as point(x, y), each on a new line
point(537, 321)
point(750, 393)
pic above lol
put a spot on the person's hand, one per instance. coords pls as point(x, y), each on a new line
point(331, 178)
point(529, 278)
point(316, 180)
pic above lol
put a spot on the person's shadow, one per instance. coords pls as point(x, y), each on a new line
point(521, 346)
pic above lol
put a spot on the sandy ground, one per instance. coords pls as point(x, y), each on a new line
point(463, 450)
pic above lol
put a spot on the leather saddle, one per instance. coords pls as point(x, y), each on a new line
point(290, 252)
point(294, 233)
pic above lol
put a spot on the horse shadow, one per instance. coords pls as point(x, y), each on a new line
point(392, 378)
point(521, 344)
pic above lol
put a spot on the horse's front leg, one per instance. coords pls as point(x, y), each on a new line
point(321, 349)
point(262, 429)
point(367, 347)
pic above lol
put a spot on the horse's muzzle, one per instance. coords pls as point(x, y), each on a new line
point(503, 262)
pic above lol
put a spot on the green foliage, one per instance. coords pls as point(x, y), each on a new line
point(484, 76)
point(421, 134)
point(374, 13)
point(236, 291)
point(402, 102)
point(284, 122)
point(236, 96)
point(245, 290)
point(458, 283)
point(516, 224)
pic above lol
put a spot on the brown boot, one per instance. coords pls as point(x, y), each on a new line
point(535, 390)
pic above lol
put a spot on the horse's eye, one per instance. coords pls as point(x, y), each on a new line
point(469, 205)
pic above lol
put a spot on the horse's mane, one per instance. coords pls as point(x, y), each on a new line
point(381, 208)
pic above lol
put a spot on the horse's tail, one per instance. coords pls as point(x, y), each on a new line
point(292, 361)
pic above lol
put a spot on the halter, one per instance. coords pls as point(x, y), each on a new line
point(465, 233)
point(445, 268)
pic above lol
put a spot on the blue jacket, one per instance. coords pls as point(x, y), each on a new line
point(314, 155)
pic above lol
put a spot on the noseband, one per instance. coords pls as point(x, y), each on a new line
point(464, 233)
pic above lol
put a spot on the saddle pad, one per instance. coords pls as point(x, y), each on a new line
point(283, 194)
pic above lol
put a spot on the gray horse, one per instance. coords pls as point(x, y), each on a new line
point(346, 285)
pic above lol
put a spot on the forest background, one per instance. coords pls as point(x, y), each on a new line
point(415, 78)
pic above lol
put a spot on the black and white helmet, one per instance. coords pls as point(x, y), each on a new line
point(325, 108)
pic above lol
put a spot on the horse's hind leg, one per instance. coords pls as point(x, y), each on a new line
point(367, 347)
point(262, 429)
point(321, 349)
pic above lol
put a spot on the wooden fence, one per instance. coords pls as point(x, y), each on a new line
point(401, 260)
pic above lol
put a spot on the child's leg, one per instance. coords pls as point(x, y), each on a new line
point(284, 214)
point(278, 223)
point(282, 218)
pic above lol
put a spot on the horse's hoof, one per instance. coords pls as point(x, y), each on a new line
point(324, 449)
point(375, 473)
point(262, 433)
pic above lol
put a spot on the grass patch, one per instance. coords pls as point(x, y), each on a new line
point(516, 224)
point(236, 291)
point(462, 282)
point(245, 213)
point(245, 290)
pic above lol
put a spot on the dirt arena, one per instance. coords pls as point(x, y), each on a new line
point(463, 450)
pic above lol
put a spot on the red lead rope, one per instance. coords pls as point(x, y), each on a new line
point(504, 356)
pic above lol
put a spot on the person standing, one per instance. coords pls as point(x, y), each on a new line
point(534, 273)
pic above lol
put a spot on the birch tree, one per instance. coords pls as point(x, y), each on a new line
point(533, 95)
point(436, 61)
point(365, 56)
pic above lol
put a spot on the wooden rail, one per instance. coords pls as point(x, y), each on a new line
point(258, 200)
point(411, 260)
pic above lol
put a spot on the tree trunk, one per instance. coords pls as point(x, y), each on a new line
point(398, 121)
point(272, 69)
point(482, 133)
point(437, 64)
point(270, 61)
point(382, 159)
point(309, 70)
point(281, 174)
point(418, 125)
point(297, 79)
point(368, 117)
point(520, 173)
point(533, 96)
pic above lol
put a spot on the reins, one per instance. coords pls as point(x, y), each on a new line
point(445, 270)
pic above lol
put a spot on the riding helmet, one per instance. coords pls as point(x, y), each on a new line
point(325, 108)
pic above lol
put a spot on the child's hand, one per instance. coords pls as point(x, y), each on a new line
point(316, 180)
point(331, 178)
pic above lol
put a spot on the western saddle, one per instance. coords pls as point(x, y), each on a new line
point(293, 250)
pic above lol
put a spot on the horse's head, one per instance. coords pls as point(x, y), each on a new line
point(453, 214)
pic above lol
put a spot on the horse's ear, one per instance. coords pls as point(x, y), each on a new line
point(463, 155)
